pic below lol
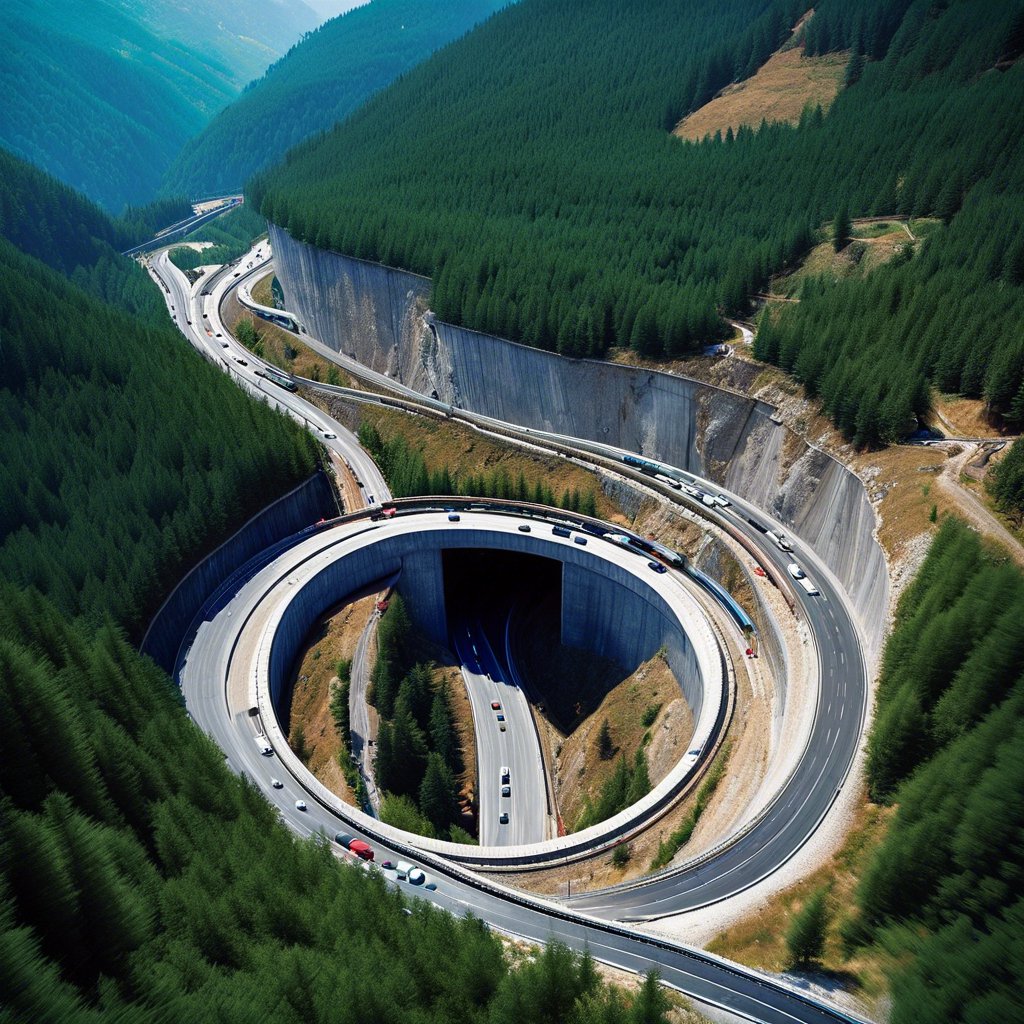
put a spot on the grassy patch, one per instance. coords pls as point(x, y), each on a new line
point(681, 836)
point(786, 83)
point(759, 940)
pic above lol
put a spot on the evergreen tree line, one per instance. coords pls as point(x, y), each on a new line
point(139, 879)
point(315, 85)
point(1007, 483)
point(53, 223)
point(126, 458)
point(945, 885)
point(548, 205)
point(419, 757)
point(628, 783)
point(407, 475)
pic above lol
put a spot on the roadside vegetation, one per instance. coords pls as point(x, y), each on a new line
point(681, 836)
point(419, 759)
point(232, 235)
point(407, 474)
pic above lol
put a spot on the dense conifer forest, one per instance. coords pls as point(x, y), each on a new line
point(318, 83)
point(52, 222)
point(528, 169)
point(946, 749)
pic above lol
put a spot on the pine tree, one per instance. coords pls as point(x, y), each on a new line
point(605, 747)
point(805, 937)
point(842, 226)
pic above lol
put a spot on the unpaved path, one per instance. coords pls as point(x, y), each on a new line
point(971, 506)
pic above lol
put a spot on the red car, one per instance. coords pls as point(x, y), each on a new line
point(496, 705)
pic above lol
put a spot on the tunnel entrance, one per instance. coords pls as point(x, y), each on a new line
point(485, 586)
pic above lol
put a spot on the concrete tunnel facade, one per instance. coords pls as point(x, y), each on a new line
point(604, 607)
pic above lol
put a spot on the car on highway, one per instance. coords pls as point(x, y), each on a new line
point(506, 790)
point(453, 517)
point(265, 748)
point(560, 531)
point(501, 718)
point(388, 865)
point(505, 774)
point(580, 540)
point(657, 566)
point(276, 783)
point(795, 571)
point(496, 705)
point(524, 527)
point(300, 805)
point(432, 886)
point(343, 839)
point(503, 818)
point(241, 362)
point(223, 344)
point(219, 335)
point(501, 726)
point(328, 436)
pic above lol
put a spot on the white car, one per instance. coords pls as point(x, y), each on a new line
point(300, 805)
point(277, 784)
point(795, 571)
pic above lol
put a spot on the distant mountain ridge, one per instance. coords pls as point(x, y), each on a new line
point(103, 93)
point(317, 84)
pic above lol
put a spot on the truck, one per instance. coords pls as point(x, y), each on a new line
point(808, 586)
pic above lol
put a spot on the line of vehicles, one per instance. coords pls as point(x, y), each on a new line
point(404, 871)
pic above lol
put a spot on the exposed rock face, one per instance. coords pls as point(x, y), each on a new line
point(379, 316)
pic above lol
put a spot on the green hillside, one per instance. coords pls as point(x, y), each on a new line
point(100, 102)
point(140, 880)
point(319, 83)
point(945, 885)
point(528, 170)
point(49, 220)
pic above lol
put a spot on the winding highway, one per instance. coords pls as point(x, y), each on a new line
point(762, 848)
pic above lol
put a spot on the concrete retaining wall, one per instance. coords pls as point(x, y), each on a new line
point(297, 510)
point(604, 607)
point(379, 316)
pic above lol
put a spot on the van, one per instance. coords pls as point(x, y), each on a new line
point(560, 531)
point(809, 586)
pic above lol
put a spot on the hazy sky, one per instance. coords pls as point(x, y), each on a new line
point(329, 8)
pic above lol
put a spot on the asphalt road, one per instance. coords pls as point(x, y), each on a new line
point(835, 736)
point(214, 679)
point(516, 748)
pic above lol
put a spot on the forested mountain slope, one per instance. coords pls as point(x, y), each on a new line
point(242, 36)
point(317, 84)
point(52, 222)
point(945, 885)
point(528, 170)
point(95, 98)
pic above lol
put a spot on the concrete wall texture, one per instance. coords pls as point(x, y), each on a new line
point(379, 316)
point(604, 607)
point(295, 511)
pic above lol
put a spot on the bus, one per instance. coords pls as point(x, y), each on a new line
point(282, 380)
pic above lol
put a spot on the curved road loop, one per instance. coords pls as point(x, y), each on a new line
point(768, 843)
